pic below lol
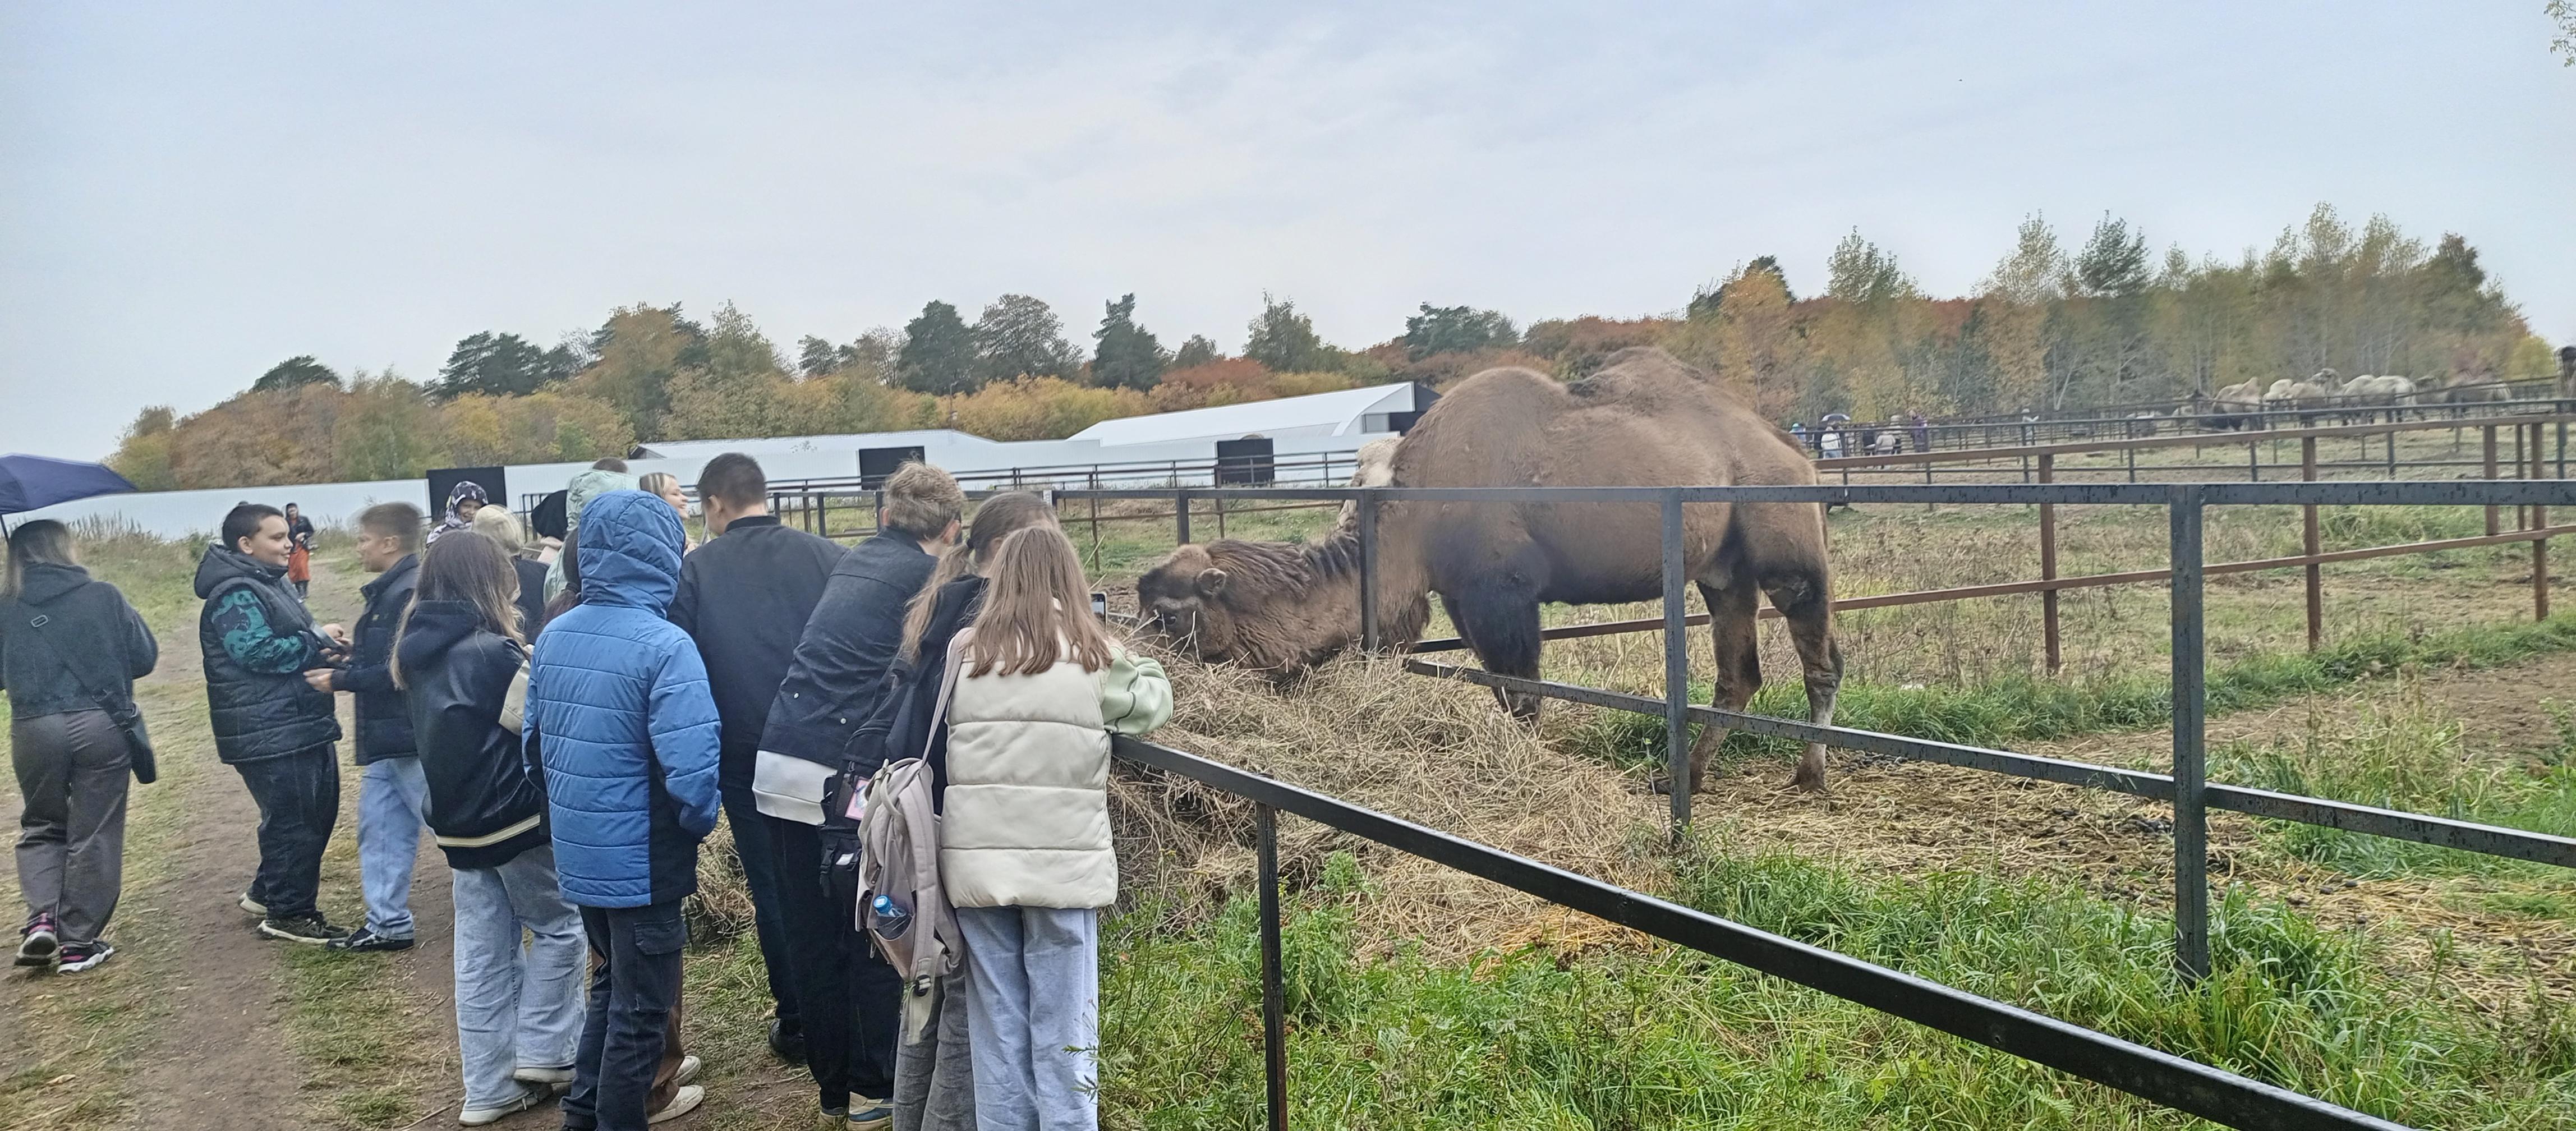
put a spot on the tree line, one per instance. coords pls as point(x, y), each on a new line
point(2106, 322)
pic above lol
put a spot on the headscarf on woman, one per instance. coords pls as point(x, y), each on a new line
point(465, 491)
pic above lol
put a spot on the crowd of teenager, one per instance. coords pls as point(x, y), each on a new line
point(909, 738)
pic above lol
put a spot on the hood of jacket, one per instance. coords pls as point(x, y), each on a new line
point(46, 581)
point(223, 563)
point(435, 627)
point(630, 551)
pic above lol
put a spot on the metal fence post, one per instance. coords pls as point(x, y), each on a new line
point(1274, 1001)
point(2048, 567)
point(1676, 668)
point(1181, 513)
point(1368, 570)
point(2190, 817)
point(2311, 545)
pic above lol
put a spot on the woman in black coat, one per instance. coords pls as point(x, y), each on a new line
point(459, 662)
point(70, 651)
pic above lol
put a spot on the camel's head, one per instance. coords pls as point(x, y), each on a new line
point(1260, 604)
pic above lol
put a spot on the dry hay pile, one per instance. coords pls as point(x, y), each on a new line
point(1430, 751)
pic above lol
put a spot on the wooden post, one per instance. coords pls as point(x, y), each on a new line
point(2539, 546)
point(2048, 566)
point(2310, 545)
point(2494, 520)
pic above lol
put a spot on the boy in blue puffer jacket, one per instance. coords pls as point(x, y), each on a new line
point(625, 727)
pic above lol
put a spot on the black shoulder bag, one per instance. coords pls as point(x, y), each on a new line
point(120, 709)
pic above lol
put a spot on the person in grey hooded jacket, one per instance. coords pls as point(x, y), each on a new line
point(70, 651)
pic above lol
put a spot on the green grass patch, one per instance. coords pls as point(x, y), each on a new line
point(2409, 759)
point(1669, 1038)
point(2029, 709)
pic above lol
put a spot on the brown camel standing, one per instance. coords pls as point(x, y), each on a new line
point(1644, 420)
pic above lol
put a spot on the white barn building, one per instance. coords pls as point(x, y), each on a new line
point(1181, 448)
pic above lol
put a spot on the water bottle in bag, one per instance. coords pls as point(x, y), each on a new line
point(891, 919)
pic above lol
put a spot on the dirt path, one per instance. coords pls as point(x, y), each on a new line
point(200, 1010)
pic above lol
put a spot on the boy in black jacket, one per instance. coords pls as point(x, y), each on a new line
point(744, 598)
point(392, 795)
point(832, 686)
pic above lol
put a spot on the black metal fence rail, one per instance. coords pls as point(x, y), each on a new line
point(2159, 1077)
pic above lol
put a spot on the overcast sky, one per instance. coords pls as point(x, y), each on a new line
point(189, 194)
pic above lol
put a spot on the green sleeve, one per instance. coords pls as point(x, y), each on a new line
point(252, 642)
point(1135, 695)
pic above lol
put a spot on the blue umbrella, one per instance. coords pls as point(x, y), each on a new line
point(31, 482)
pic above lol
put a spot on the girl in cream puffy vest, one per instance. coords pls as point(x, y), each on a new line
point(1037, 688)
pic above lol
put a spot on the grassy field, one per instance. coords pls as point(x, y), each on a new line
point(2430, 987)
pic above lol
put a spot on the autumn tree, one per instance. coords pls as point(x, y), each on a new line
point(1127, 355)
point(938, 353)
point(736, 391)
point(1456, 329)
point(637, 353)
point(2016, 297)
point(293, 372)
point(1020, 336)
point(143, 454)
point(501, 365)
point(1575, 347)
point(1198, 350)
point(387, 429)
point(1750, 339)
point(1285, 341)
point(547, 427)
point(1706, 300)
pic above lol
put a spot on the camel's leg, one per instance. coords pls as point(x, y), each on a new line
point(1500, 624)
point(1811, 627)
point(1731, 612)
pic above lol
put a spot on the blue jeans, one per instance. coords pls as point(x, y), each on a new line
point(393, 797)
point(619, 1076)
point(517, 1006)
point(299, 800)
point(759, 853)
point(1033, 1016)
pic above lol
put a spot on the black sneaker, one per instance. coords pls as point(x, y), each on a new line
point(309, 927)
point(83, 956)
point(41, 940)
point(366, 938)
point(786, 1042)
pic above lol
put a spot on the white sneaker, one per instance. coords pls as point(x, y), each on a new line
point(689, 1066)
point(683, 1102)
point(555, 1078)
point(527, 1098)
point(253, 906)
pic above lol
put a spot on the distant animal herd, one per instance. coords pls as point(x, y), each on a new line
point(2241, 406)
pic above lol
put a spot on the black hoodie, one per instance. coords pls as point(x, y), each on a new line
point(456, 674)
point(67, 642)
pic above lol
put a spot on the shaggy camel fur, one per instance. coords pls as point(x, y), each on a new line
point(1645, 419)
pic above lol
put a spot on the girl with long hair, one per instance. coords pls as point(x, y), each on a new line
point(933, 1088)
point(1036, 687)
point(461, 663)
point(70, 651)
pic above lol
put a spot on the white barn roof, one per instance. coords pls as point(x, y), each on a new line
point(1343, 413)
point(779, 445)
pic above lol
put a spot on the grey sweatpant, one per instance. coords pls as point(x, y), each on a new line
point(934, 1080)
point(71, 837)
point(1033, 1016)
